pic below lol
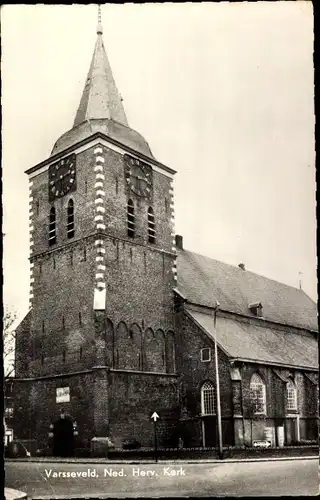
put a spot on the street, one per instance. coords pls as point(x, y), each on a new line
point(74, 480)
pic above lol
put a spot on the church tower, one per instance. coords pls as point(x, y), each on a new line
point(99, 336)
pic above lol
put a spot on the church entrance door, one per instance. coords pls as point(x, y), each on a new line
point(63, 439)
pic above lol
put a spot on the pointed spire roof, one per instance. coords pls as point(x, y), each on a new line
point(100, 97)
point(100, 109)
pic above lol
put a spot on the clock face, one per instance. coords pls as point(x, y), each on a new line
point(138, 176)
point(62, 177)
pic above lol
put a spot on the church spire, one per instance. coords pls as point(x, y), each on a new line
point(100, 97)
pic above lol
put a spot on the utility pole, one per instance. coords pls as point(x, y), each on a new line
point(217, 381)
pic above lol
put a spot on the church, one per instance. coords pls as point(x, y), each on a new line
point(124, 321)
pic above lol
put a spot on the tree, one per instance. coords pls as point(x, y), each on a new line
point(9, 338)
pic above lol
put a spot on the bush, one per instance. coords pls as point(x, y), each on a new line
point(307, 442)
point(82, 453)
point(131, 444)
point(44, 452)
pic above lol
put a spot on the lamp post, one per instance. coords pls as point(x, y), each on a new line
point(217, 380)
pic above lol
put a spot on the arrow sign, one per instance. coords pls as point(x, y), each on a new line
point(155, 417)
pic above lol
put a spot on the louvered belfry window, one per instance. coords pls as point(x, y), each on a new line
point(70, 219)
point(130, 219)
point(151, 226)
point(52, 226)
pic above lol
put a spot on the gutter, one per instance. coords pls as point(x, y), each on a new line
point(99, 135)
point(271, 363)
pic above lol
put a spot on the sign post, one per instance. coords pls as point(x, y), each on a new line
point(155, 417)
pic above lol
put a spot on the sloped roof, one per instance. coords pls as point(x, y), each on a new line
point(257, 343)
point(204, 281)
point(117, 131)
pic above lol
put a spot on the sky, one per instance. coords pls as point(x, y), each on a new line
point(223, 93)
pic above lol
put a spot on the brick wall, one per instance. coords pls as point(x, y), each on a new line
point(190, 340)
point(129, 347)
point(139, 277)
point(117, 195)
point(23, 347)
point(193, 373)
point(133, 399)
point(35, 406)
point(302, 421)
point(276, 390)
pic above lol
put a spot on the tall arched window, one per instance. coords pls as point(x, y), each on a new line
point(258, 394)
point(70, 219)
point(291, 395)
point(151, 226)
point(208, 399)
point(52, 226)
point(130, 219)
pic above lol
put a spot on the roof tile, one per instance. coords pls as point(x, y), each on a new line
point(204, 281)
point(259, 343)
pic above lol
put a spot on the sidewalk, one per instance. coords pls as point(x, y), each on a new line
point(160, 461)
point(10, 494)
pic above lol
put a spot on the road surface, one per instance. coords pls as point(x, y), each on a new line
point(54, 480)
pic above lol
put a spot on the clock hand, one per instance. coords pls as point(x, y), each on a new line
point(65, 175)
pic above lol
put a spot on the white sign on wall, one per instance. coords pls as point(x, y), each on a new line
point(63, 394)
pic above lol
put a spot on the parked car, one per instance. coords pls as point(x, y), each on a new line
point(261, 444)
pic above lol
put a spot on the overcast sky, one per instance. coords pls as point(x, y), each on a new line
point(223, 93)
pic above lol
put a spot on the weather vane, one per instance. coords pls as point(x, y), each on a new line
point(99, 28)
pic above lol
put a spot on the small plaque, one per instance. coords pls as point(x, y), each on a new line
point(63, 395)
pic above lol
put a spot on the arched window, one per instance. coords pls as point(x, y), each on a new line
point(70, 219)
point(52, 226)
point(130, 218)
point(151, 226)
point(208, 399)
point(291, 395)
point(258, 394)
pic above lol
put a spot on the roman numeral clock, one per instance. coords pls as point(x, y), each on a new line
point(62, 177)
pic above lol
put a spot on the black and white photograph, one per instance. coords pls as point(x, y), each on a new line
point(160, 325)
